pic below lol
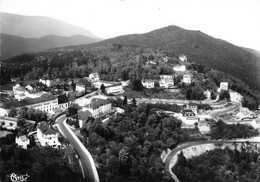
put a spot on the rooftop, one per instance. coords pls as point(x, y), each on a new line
point(83, 115)
point(96, 103)
point(46, 129)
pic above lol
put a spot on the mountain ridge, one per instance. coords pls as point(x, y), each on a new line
point(14, 45)
point(199, 47)
point(39, 26)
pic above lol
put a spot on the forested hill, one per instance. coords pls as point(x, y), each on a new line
point(198, 47)
point(14, 45)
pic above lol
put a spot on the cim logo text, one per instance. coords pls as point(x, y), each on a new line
point(18, 178)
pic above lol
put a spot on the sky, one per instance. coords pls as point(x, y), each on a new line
point(236, 21)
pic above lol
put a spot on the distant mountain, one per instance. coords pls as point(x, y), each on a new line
point(14, 45)
point(38, 26)
point(199, 48)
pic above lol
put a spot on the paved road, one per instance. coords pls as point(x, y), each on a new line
point(213, 103)
point(87, 163)
point(178, 149)
point(216, 113)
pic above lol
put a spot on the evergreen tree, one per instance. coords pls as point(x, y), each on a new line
point(102, 88)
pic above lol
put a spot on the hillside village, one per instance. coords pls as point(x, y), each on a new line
point(94, 101)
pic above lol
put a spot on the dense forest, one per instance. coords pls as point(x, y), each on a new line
point(221, 130)
point(41, 163)
point(129, 146)
point(220, 165)
point(118, 62)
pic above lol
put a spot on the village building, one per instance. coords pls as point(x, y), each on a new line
point(63, 102)
point(179, 68)
point(193, 106)
point(81, 85)
point(188, 117)
point(47, 135)
point(49, 82)
point(187, 79)
point(148, 83)
point(223, 86)
point(114, 89)
point(166, 81)
point(22, 141)
point(183, 58)
point(256, 123)
point(94, 77)
point(98, 107)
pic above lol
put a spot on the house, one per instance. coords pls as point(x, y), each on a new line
point(186, 79)
point(188, 117)
point(18, 89)
point(166, 81)
point(193, 106)
point(30, 88)
point(49, 82)
point(47, 135)
point(46, 102)
point(94, 77)
point(63, 102)
point(83, 116)
point(207, 93)
point(81, 85)
point(183, 58)
point(22, 141)
point(119, 110)
point(98, 107)
point(114, 89)
point(179, 68)
point(147, 83)
point(223, 86)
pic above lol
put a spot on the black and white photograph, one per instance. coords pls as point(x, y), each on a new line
point(129, 90)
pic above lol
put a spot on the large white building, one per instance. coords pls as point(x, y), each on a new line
point(47, 135)
point(98, 107)
point(188, 117)
point(183, 58)
point(166, 81)
point(114, 89)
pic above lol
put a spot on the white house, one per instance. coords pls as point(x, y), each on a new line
point(63, 102)
point(186, 79)
point(193, 106)
point(81, 85)
point(30, 87)
point(188, 117)
point(147, 83)
point(114, 89)
point(49, 82)
point(22, 141)
point(94, 76)
point(98, 107)
point(183, 58)
point(180, 68)
point(47, 136)
point(223, 86)
point(166, 81)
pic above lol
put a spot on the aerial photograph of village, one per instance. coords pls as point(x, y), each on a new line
point(129, 91)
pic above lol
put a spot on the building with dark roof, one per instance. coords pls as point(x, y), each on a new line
point(46, 102)
point(47, 135)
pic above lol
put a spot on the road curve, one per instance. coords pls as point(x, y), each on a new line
point(88, 166)
point(178, 149)
point(216, 113)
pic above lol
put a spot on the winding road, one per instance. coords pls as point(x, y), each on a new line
point(87, 164)
point(175, 151)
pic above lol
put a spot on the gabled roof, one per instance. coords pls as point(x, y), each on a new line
point(96, 103)
point(23, 138)
point(83, 115)
point(46, 129)
point(62, 99)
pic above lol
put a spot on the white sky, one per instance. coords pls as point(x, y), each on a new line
point(236, 21)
